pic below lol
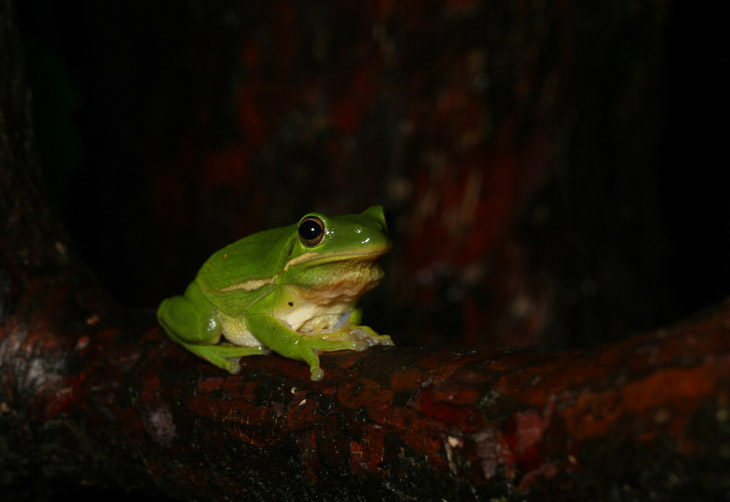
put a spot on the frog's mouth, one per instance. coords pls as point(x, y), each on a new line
point(345, 278)
point(342, 281)
point(315, 258)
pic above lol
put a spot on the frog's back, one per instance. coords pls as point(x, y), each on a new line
point(247, 264)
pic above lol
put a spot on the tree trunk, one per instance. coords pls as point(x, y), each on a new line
point(93, 393)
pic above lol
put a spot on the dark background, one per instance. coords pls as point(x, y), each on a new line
point(557, 170)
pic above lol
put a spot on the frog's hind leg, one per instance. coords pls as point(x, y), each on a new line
point(223, 355)
point(193, 323)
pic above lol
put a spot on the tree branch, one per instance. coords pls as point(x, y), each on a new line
point(124, 406)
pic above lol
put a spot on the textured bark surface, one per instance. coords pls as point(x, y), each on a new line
point(93, 393)
point(100, 396)
point(97, 395)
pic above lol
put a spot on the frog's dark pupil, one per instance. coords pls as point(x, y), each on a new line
point(310, 231)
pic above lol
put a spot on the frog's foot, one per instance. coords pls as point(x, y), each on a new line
point(330, 342)
point(354, 338)
point(369, 335)
point(308, 348)
point(225, 356)
point(357, 338)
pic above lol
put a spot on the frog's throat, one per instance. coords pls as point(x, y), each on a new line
point(315, 259)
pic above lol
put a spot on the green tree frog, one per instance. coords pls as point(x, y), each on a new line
point(293, 290)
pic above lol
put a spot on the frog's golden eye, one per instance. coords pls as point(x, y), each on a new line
point(311, 231)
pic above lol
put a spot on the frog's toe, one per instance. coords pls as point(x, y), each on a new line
point(385, 340)
point(317, 373)
point(370, 337)
point(360, 345)
point(233, 366)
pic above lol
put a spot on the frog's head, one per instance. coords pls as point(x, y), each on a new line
point(338, 256)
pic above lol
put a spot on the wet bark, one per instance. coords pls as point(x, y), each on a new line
point(92, 393)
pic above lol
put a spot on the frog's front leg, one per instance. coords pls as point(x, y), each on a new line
point(192, 322)
point(280, 338)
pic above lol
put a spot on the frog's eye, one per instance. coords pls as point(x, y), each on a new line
point(311, 231)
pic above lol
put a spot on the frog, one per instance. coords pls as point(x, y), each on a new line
point(293, 290)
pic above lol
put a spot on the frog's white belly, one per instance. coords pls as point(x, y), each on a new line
point(306, 318)
point(310, 318)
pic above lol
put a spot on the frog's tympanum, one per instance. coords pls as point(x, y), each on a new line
point(292, 290)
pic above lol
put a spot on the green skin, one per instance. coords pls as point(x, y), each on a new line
point(274, 291)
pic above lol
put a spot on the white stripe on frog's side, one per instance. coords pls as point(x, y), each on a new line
point(254, 284)
point(251, 285)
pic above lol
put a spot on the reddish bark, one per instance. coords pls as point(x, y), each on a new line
point(124, 406)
